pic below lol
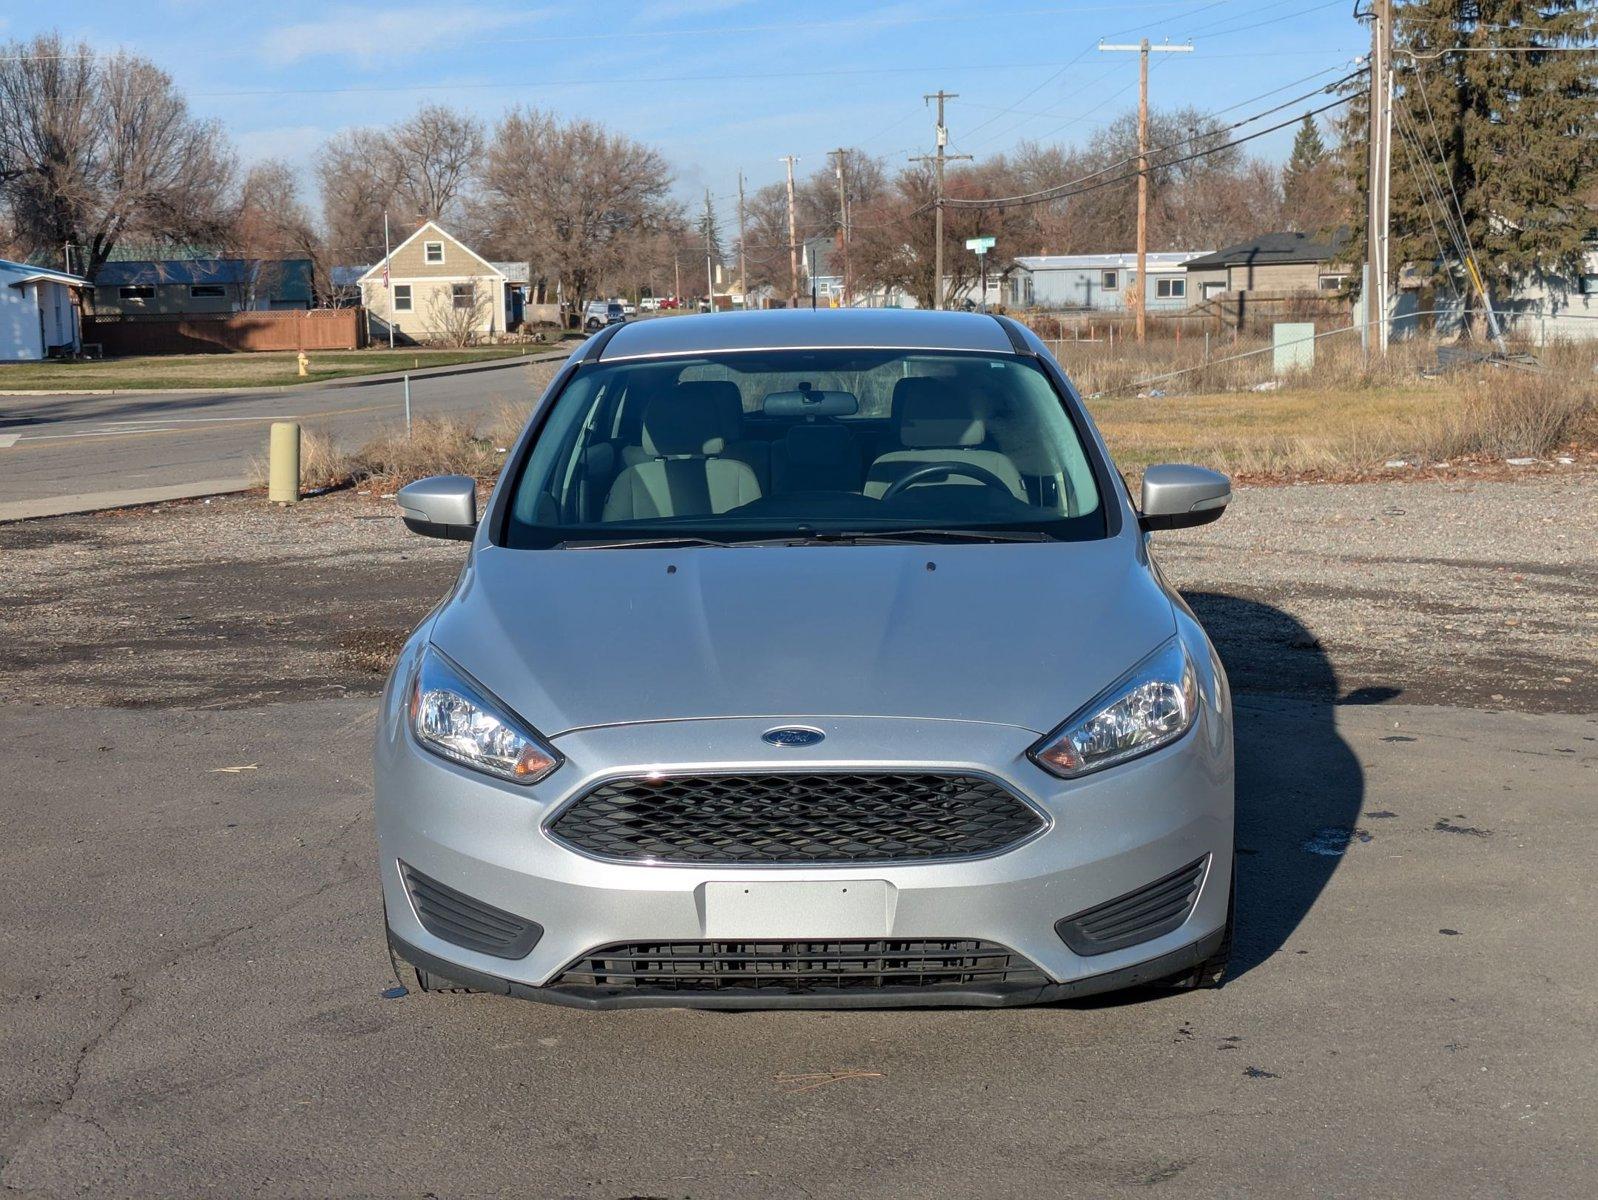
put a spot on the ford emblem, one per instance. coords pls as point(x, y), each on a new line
point(793, 735)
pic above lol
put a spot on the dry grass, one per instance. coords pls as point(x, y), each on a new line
point(1174, 367)
point(434, 446)
point(1494, 412)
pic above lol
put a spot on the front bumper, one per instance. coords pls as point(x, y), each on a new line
point(1108, 834)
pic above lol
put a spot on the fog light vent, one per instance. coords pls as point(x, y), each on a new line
point(458, 918)
point(1153, 909)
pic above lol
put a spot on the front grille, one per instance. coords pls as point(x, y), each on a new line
point(790, 818)
point(458, 918)
point(1153, 909)
point(799, 966)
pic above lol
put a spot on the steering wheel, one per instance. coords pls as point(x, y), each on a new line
point(943, 470)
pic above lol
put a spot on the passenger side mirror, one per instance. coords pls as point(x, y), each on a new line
point(442, 506)
point(1178, 496)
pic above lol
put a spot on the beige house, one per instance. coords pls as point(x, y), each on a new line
point(436, 288)
point(1279, 264)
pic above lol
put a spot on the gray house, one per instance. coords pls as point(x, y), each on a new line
point(1100, 282)
point(189, 286)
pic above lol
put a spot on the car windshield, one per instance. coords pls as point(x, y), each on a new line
point(806, 444)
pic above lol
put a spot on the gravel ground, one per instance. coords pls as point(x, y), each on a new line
point(1476, 593)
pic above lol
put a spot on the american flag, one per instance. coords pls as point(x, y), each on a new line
point(385, 276)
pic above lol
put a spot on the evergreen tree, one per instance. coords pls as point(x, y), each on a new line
point(1312, 202)
point(1510, 136)
point(710, 230)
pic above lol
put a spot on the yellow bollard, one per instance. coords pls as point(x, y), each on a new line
point(305, 362)
point(283, 463)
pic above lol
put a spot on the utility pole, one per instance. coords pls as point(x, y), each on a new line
point(710, 277)
point(793, 237)
point(843, 223)
point(743, 275)
point(938, 160)
point(1139, 295)
point(1379, 189)
point(388, 284)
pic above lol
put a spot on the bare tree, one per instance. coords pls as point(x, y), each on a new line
point(457, 317)
point(96, 149)
point(421, 169)
point(270, 224)
point(433, 155)
point(574, 194)
point(350, 171)
point(894, 241)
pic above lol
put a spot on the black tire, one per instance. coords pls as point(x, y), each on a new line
point(1212, 971)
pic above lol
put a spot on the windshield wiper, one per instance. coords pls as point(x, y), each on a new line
point(918, 536)
point(665, 542)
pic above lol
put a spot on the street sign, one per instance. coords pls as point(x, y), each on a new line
point(980, 244)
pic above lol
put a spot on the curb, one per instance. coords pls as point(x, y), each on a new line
point(90, 502)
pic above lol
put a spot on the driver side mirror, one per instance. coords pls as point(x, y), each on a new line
point(442, 506)
point(1178, 496)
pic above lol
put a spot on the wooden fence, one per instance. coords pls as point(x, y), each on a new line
point(226, 333)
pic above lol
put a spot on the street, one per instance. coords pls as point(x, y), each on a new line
point(74, 453)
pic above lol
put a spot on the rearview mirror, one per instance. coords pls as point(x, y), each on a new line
point(810, 402)
point(442, 506)
point(1178, 496)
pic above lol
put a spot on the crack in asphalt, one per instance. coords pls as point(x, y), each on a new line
point(129, 999)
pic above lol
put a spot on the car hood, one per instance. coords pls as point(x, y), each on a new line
point(1020, 634)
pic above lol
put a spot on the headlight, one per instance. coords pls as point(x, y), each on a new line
point(455, 717)
point(1150, 706)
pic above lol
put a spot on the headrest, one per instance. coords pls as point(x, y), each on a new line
point(727, 398)
point(819, 445)
point(684, 422)
point(931, 415)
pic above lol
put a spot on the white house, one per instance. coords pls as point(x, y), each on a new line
point(38, 313)
point(1100, 281)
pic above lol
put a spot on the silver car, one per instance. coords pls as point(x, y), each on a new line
point(809, 659)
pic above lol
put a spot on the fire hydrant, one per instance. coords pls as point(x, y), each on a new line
point(305, 363)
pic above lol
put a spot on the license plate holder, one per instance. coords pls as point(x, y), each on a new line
point(769, 910)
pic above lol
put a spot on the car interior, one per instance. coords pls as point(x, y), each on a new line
point(933, 438)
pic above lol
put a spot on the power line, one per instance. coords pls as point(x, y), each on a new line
point(1061, 191)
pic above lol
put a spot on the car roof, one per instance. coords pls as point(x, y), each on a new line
point(808, 329)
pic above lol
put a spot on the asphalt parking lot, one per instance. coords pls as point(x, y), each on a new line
point(195, 997)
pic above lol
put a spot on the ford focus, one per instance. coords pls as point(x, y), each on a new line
point(809, 659)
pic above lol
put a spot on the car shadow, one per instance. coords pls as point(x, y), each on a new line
point(1300, 787)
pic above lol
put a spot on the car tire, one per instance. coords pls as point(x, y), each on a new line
point(1212, 971)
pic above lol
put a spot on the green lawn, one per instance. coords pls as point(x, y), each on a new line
point(172, 371)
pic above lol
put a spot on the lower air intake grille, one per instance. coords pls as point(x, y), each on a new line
point(796, 818)
point(799, 967)
point(1153, 909)
point(456, 917)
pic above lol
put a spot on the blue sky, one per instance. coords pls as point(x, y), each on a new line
point(718, 85)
